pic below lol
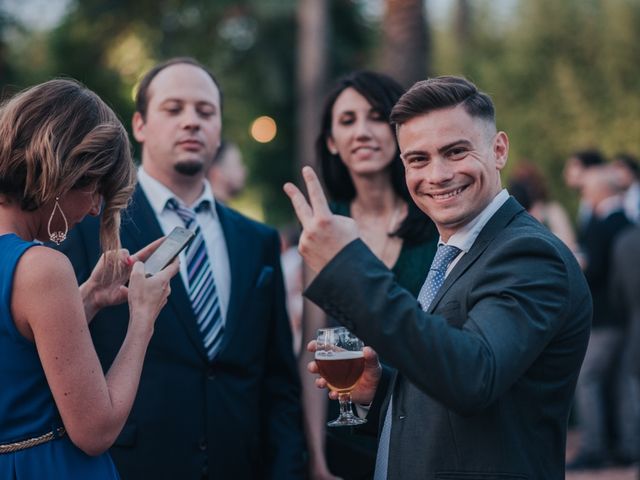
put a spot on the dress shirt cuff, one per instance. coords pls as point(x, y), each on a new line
point(362, 410)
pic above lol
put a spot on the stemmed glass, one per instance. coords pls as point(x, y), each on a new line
point(340, 361)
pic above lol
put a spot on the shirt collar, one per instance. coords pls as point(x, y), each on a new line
point(465, 237)
point(158, 194)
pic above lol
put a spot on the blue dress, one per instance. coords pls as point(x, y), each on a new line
point(27, 408)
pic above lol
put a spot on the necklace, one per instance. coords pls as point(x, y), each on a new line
point(389, 229)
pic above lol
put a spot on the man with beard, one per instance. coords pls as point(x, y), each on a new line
point(218, 396)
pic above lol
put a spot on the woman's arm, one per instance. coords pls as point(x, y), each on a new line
point(93, 407)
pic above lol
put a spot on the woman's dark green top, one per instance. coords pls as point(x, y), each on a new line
point(414, 261)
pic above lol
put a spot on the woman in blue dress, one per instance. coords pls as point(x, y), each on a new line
point(65, 155)
point(364, 177)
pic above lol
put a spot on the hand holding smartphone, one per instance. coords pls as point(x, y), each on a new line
point(169, 249)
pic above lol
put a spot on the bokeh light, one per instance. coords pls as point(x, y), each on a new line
point(264, 129)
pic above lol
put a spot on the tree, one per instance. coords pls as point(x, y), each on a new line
point(564, 76)
point(406, 47)
point(108, 44)
point(311, 75)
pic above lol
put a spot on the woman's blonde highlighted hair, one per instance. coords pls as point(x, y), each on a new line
point(57, 136)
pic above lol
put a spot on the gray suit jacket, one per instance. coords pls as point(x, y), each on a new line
point(485, 378)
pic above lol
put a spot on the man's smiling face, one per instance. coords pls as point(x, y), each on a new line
point(453, 163)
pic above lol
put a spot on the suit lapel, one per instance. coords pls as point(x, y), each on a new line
point(494, 226)
point(399, 385)
point(241, 267)
point(140, 227)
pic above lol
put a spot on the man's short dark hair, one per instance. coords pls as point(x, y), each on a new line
point(142, 97)
point(442, 92)
point(589, 158)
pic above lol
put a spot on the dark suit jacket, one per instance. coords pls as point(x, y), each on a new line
point(596, 242)
point(486, 377)
point(625, 289)
point(236, 417)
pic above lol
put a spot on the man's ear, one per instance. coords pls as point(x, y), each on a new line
point(137, 125)
point(501, 149)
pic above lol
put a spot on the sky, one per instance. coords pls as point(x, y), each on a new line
point(44, 14)
point(37, 14)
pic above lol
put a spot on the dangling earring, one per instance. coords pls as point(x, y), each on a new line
point(59, 236)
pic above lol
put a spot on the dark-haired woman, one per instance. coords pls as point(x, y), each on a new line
point(364, 177)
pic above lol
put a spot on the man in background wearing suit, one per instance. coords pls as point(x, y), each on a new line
point(486, 361)
point(602, 402)
point(219, 394)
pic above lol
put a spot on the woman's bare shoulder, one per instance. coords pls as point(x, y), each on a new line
point(43, 272)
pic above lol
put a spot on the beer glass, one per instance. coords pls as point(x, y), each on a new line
point(341, 362)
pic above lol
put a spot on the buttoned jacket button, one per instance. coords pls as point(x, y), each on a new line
point(202, 445)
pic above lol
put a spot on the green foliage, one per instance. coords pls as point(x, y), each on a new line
point(248, 44)
point(564, 76)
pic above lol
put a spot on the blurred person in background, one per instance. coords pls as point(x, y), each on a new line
point(603, 195)
point(573, 173)
point(64, 155)
point(625, 298)
point(291, 261)
point(628, 171)
point(227, 174)
point(529, 187)
point(219, 394)
point(364, 176)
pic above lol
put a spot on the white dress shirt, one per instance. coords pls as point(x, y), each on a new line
point(158, 194)
point(466, 236)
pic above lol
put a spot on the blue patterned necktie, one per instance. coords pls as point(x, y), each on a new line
point(201, 284)
point(444, 256)
point(435, 278)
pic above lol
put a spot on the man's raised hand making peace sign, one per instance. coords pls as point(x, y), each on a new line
point(323, 233)
point(323, 236)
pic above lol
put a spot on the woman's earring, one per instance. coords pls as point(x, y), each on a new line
point(59, 236)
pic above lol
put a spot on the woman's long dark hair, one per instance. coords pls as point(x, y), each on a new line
point(382, 92)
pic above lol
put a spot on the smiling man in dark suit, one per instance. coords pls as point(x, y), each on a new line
point(486, 361)
point(219, 395)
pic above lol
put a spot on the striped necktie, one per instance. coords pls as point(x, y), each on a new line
point(435, 278)
point(201, 284)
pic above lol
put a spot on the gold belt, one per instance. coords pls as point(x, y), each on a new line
point(31, 442)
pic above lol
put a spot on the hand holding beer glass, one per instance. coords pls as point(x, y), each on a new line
point(340, 361)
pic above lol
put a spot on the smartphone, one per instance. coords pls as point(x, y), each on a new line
point(169, 249)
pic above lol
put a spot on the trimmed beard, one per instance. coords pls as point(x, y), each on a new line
point(190, 168)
